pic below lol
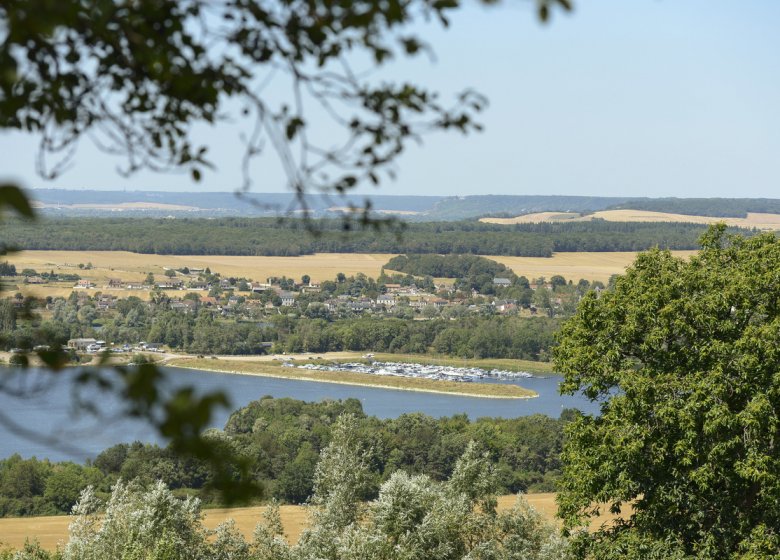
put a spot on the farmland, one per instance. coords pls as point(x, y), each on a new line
point(53, 530)
point(758, 220)
point(322, 266)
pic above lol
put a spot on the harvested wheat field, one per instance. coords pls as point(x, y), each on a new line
point(753, 219)
point(53, 530)
point(573, 266)
point(133, 267)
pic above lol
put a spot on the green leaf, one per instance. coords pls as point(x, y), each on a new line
point(13, 196)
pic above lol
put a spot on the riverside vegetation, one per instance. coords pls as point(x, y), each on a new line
point(283, 438)
point(411, 516)
point(472, 317)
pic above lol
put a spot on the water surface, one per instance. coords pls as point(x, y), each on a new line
point(51, 412)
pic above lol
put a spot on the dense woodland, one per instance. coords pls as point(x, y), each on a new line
point(283, 438)
point(449, 266)
point(263, 236)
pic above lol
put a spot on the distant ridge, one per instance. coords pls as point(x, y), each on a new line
point(66, 202)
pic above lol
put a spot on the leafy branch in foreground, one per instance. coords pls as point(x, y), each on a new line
point(134, 77)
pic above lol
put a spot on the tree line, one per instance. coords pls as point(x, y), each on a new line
point(284, 438)
point(134, 320)
point(269, 237)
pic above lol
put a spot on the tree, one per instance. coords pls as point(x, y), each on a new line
point(137, 523)
point(170, 273)
point(135, 77)
point(683, 357)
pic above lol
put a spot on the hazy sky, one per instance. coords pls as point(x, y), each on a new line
point(640, 98)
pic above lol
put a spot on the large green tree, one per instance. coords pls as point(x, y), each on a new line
point(684, 357)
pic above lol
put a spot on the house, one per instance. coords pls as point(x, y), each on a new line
point(439, 303)
point(84, 284)
point(184, 305)
point(393, 288)
point(34, 280)
point(360, 305)
point(260, 287)
point(502, 282)
point(311, 289)
point(225, 284)
point(135, 286)
point(114, 284)
point(198, 285)
point(209, 301)
point(105, 302)
point(505, 305)
point(170, 284)
point(288, 299)
point(80, 344)
point(387, 300)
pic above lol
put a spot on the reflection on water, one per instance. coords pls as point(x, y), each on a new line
point(51, 411)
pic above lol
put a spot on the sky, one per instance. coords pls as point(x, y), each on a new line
point(620, 98)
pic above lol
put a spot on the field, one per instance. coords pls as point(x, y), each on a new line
point(133, 267)
point(573, 266)
point(53, 530)
point(274, 369)
point(753, 220)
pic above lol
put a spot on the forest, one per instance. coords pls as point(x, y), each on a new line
point(270, 237)
point(283, 438)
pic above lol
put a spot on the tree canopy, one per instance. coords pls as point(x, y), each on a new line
point(683, 355)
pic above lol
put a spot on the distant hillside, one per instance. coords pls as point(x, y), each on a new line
point(757, 220)
point(151, 203)
point(466, 207)
point(67, 203)
point(717, 207)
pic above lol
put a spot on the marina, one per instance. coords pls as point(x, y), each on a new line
point(433, 372)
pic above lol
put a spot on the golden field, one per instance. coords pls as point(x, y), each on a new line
point(133, 267)
point(753, 220)
point(573, 266)
point(53, 530)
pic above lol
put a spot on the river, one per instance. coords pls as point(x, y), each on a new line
point(69, 436)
